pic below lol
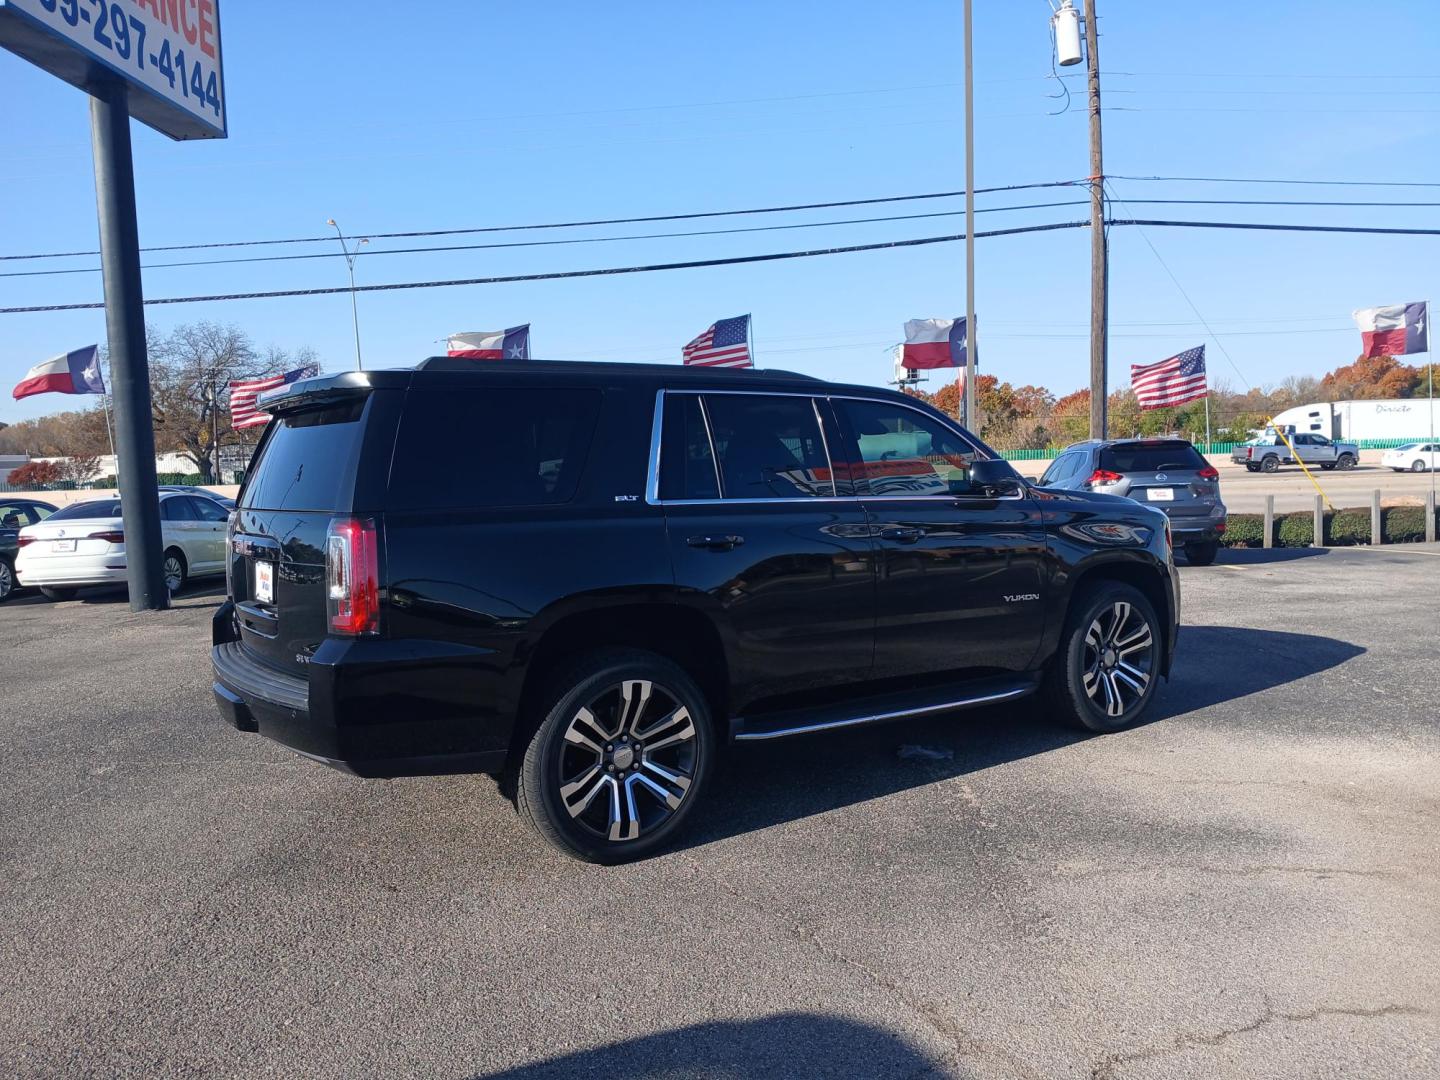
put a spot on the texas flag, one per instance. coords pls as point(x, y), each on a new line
point(512, 344)
point(934, 343)
point(76, 372)
point(1395, 331)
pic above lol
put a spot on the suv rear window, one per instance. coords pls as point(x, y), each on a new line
point(307, 460)
point(1150, 456)
point(519, 446)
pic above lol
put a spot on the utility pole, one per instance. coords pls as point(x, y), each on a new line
point(968, 371)
point(1099, 253)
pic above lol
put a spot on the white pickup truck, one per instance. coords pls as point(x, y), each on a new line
point(1269, 452)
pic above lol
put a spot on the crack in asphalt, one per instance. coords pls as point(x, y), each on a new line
point(1105, 1068)
point(922, 1010)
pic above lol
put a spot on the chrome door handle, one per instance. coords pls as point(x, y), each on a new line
point(901, 534)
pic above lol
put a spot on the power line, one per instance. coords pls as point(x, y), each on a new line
point(575, 224)
point(742, 259)
point(1239, 180)
point(551, 243)
point(608, 271)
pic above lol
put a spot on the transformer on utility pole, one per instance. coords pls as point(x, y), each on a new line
point(1066, 26)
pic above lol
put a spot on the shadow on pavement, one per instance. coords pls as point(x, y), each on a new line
point(766, 784)
point(1260, 556)
point(784, 1045)
point(201, 594)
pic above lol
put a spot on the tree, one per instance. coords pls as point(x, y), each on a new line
point(1072, 417)
point(35, 474)
point(190, 375)
point(1371, 377)
point(78, 468)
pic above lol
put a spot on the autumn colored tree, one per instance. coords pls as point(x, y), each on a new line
point(35, 474)
point(1371, 377)
point(78, 468)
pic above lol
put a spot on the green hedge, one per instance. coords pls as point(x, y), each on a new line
point(1343, 528)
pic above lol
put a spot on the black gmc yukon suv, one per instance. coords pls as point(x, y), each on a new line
point(595, 576)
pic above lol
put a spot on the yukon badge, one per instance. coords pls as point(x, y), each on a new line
point(1021, 597)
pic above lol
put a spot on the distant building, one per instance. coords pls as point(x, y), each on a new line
point(1397, 418)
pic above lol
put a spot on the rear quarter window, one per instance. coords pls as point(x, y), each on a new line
point(501, 446)
point(307, 461)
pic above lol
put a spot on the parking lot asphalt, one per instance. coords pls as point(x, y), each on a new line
point(1247, 885)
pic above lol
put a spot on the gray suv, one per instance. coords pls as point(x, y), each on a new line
point(1167, 474)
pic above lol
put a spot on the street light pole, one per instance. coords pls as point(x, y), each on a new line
point(350, 257)
point(1099, 245)
point(968, 371)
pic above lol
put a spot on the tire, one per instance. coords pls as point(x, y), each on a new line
point(175, 570)
point(1345, 461)
point(1327, 468)
point(1076, 670)
point(1252, 468)
point(1270, 463)
point(583, 785)
point(1418, 466)
point(1202, 554)
point(7, 580)
point(51, 592)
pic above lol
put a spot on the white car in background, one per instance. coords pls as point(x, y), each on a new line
point(84, 544)
point(1413, 457)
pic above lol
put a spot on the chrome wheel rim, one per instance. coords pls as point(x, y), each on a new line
point(1119, 659)
point(173, 573)
point(627, 760)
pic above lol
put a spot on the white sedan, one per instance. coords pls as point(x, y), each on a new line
point(84, 544)
point(1413, 457)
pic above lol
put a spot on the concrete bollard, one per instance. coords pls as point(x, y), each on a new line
point(1319, 521)
point(1377, 534)
point(1269, 521)
point(1430, 517)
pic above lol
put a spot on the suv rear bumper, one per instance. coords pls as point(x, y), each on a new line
point(341, 715)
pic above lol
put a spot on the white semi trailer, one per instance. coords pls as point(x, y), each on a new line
point(1398, 418)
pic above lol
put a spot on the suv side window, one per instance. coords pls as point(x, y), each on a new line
point(904, 452)
point(687, 463)
point(506, 446)
point(1062, 468)
point(768, 447)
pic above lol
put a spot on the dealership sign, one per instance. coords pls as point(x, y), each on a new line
point(168, 51)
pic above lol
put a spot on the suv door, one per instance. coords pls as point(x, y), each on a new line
point(761, 540)
point(961, 586)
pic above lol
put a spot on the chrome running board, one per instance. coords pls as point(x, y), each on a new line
point(990, 691)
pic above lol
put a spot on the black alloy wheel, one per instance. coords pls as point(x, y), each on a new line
point(1270, 463)
point(619, 759)
point(7, 580)
point(1105, 673)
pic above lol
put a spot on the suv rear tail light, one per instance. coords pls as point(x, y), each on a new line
point(1103, 476)
point(114, 536)
point(1209, 472)
point(352, 577)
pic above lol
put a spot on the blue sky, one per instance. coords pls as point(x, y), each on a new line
point(448, 115)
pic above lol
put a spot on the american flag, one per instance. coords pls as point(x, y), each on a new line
point(243, 413)
point(724, 344)
point(1170, 382)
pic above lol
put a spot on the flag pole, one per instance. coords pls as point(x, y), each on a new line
point(110, 434)
point(1207, 418)
point(750, 338)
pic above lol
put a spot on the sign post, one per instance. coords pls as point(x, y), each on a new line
point(158, 61)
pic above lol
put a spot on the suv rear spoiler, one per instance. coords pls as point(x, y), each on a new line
point(327, 389)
